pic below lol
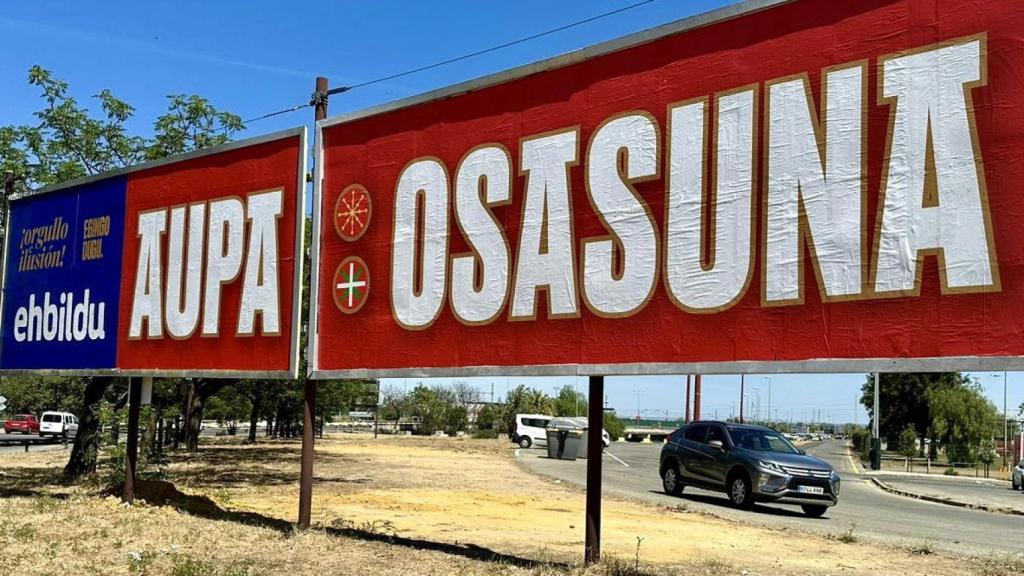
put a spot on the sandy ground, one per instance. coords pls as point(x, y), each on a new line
point(405, 505)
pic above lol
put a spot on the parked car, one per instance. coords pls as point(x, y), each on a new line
point(58, 425)
point(532, 429)
point(1018, 476)
point(23, 423)
point(750, 464)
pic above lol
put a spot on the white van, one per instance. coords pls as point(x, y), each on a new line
point(532, 429)
point(58, 425)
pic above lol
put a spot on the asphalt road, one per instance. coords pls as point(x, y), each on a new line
point(7, 448)
point(631, 471)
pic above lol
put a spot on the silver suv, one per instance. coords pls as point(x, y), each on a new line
point(750, 464)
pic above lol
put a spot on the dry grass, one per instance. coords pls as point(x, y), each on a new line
point(393, 506)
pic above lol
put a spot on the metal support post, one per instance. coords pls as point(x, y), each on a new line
point(132, 446)
point(319, 102)
point(595, 448)
point(876, 440)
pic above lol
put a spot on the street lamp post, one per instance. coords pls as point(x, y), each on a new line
point(769, 379)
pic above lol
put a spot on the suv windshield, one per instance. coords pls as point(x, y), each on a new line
point(761, 440)
point(51, 418)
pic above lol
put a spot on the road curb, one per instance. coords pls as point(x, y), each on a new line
point(946, 501)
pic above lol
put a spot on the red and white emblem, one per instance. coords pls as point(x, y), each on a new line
point(351, 284)
point(352, 212)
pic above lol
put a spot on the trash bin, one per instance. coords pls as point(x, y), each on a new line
point(572, 444)
point(584, 440)
point(554, 443)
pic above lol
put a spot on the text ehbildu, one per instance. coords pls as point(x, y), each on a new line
point(208, 245)
point(932, 201)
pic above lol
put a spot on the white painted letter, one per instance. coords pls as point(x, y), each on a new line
point(484, 179)
point(223, 256)
point(260, 283)
point(933, 194)
point(720, 283)
point(827, 191)
point(185, 275)
point(545, 257)
point(606, 291)
point(415, 307)
point(146, 301)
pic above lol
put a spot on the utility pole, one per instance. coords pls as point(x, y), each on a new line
point(319, 102)
point(769, 415)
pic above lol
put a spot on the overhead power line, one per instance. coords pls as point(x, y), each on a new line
point(342, 89)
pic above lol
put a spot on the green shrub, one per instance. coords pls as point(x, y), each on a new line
point(485, 434)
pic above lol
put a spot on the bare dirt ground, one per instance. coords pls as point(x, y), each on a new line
point(397, 505)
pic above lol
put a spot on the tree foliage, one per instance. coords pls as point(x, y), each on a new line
point(962, 418)
point(569, 402)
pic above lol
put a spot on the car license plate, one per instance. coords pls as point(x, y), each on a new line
point(810, 489)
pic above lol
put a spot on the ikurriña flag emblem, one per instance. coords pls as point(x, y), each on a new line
point(352, 212)
point(351, 284)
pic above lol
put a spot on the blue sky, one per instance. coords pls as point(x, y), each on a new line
point(258, 56)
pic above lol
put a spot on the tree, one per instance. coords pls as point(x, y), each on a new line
point(614, 425)
point(987, 453)
point(962, 419)
point(395, 404)
point(569, 402)
point(488, 417)
point(908, 442)
point(904, 400)
point(523, 400)
point(68, 142)
point(228, 407)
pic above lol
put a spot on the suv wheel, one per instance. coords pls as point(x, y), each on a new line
point(525, 442)
point(739, 491)
point(814, 511)
point(1016, 486)
point(670, 481)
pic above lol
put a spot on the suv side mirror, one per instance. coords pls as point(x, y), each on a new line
point(717, 444)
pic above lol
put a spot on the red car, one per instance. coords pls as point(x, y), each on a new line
point(24, 423)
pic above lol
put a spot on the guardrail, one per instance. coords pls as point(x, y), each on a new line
point(27, 441)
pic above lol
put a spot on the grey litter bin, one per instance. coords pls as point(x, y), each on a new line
point(554, 443)
point(582, 452)
point(572, 444)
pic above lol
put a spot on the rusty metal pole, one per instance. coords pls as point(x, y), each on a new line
point(696, 397)
point(132, 447)
point(687, 418)
point(319, 102)
point(595, 447)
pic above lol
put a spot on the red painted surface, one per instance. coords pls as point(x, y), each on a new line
point(802, 37)
point(239, 172)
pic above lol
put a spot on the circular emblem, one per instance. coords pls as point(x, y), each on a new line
point(351, 284)
point(352, 212)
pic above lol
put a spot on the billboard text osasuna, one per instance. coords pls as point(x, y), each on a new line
point(186, 266)
point(805, 185)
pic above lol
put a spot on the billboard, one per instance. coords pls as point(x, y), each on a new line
point(188, 266)
point(775, 186)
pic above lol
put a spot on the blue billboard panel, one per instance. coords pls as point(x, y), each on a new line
point(63, 278)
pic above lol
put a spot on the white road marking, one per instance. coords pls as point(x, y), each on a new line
point(617, 459)
point(517, 452)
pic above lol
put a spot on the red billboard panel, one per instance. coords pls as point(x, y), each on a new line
point(809, 185)
point(188, 266)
